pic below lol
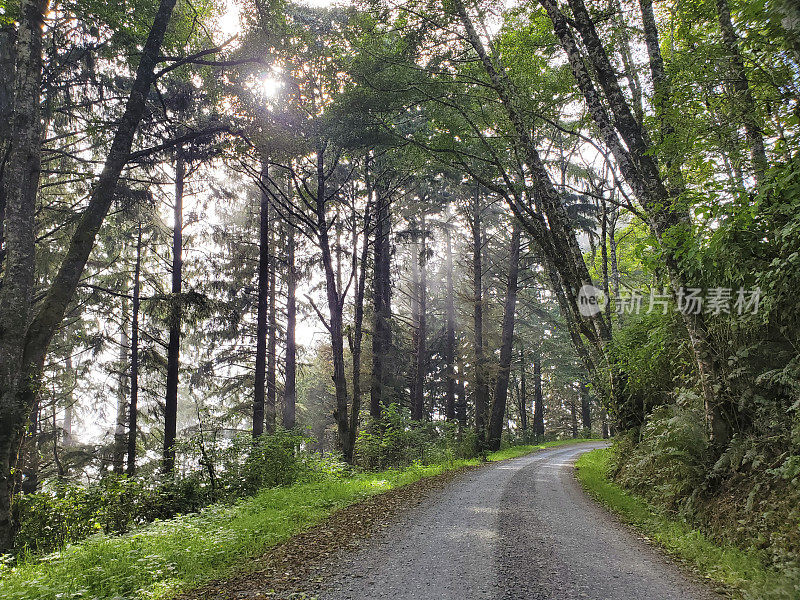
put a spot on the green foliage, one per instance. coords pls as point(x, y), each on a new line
point(398, 440)
point(271, 461)
point(669, 463)
point(48, 521)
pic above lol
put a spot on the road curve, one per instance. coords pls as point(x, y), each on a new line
point(516, 530)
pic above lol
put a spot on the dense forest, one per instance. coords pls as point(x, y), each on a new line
point(243, 242)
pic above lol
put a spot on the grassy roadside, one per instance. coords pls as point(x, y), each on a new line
point(166, 557)
point(738, 572)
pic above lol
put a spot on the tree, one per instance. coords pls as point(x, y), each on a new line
point(506, 344)
point(290, 369)
point(450, 333)
point(175, 319)
point(419, 292)
point(262, 305)
point(133, 406)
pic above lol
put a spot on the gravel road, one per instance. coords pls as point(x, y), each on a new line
point(520, 529)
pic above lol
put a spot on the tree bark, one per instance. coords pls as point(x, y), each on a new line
point(506, 344)
point(133, 408)
point(450, 330)
point(382, 312)
point(744, 96)
point(481, 394)
point(120, 439)
point(8, 40)
point(586, 409)
point(523, 391)
point(461, 397)
point(335, 307)
point(538, 399)
point(270, 408)
point(290, 383)
point(360, 271)
point(262, 301)
point(176, 316)
point(69, 402)
point(573, 415)
point(419, 293)
point(604, 259)
point(30, 452)
point(21, 179)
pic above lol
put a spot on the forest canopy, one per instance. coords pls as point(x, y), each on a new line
point(236, 237)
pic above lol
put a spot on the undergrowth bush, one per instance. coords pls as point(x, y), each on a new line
point(398, 440)
point(669, 462)
point(69, 512)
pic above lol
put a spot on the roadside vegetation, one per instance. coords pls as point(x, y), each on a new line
point(744, 572)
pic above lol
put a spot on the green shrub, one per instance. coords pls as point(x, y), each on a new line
point(670, 461)
point(271, 461)
point(398, 441)
point(51, 519)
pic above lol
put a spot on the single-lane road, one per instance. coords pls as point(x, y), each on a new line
point(516, 530)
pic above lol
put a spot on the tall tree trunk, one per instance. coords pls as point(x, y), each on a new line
point(481, 394)
point(290, 383)
point(612, 255)
point(382, 312)
point(21, 179)
point(538, 399)
point(176, 316)
point(120, 438)
point(69, 402)
point(56, 458)
point(262, 306)
point(586, 409)
point(744, 97)
point(30, 452)
point(604, 259)
point(360, 272)
point(270, 408)
point(419, 293)
point(450, 330)
point(573, 415)
point(133, 408)
point(461, 397)
point(523, 391)
point(8, 40)
point(334, 324)
point(506, 344)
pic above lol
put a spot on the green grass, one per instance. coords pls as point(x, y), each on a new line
point(738, 571)
point(161, 559)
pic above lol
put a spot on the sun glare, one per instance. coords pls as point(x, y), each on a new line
point(271, 85)
point(229, 22)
